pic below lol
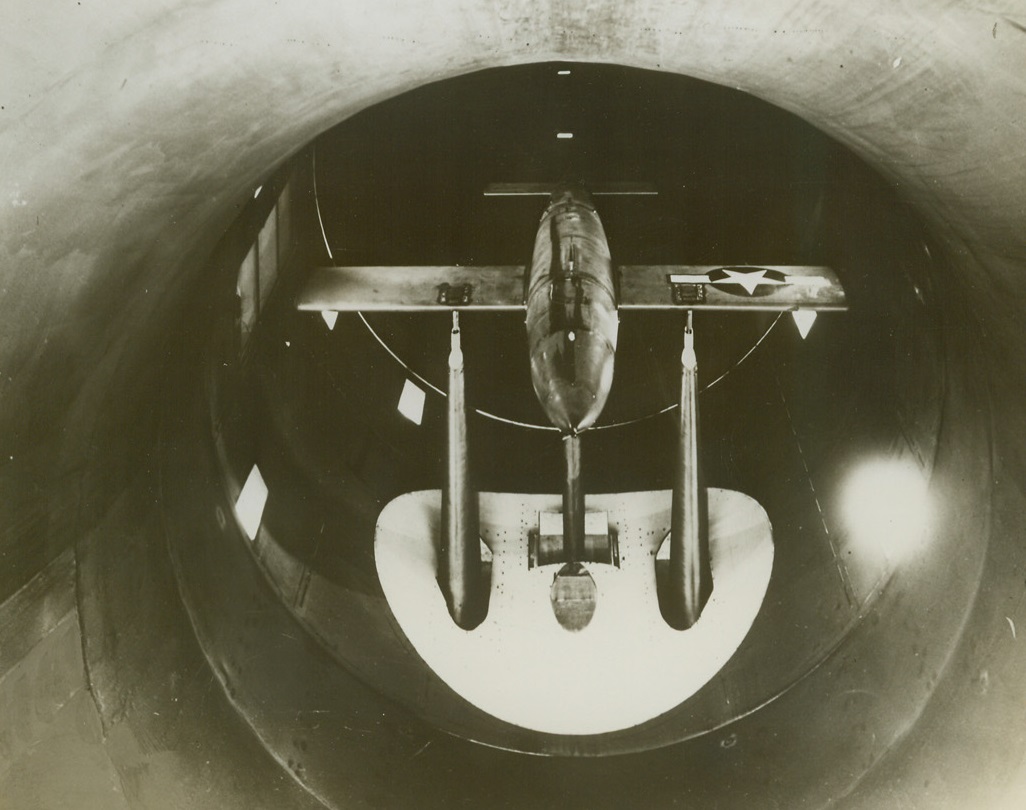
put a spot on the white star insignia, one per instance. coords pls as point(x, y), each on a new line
point(749, 279)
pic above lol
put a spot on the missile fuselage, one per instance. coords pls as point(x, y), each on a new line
point(572, 320)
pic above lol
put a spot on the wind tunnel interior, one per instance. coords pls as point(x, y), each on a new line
point(225, 669)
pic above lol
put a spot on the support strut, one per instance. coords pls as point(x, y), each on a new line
point(460, 554)
point(573, 501)
point(690, 570)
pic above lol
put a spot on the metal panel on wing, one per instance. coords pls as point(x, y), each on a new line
point(730, 287)
point(348, 289)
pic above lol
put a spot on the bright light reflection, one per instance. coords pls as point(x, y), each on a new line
point(804, 319)
point(250, 505)
point(564, 136)
point(330, 317)
point(887, 509)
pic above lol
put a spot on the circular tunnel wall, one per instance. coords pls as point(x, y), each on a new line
point(867, 373)
point(124, 171)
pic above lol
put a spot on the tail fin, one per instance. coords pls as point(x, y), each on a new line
point(547, 189)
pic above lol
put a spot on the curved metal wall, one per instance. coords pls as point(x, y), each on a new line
point(130, 135)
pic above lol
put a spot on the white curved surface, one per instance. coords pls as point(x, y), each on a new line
point(627, 666)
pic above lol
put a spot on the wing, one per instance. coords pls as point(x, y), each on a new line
point(497, 287)
point(771, 287)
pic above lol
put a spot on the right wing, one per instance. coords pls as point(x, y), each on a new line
point(731, 287)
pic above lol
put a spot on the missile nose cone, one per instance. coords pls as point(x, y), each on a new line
point(571, 406)
point(572, 375)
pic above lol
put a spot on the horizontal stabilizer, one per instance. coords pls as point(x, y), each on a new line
point(546, 189)
point(350, 289)
point(771, 287)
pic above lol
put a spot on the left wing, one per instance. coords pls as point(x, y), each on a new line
point(410, 289)
point(772, 287)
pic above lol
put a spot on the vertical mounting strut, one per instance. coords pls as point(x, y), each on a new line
point(460, 553)
point(690, 569)
point(573, 501)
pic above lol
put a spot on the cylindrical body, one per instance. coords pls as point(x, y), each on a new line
point(573, 501)
point(690, 569)
point(460, 553)
point(571, 313)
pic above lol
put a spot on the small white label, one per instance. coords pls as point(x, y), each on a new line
point(330, 317)
point(411, 403)
point(250, 505)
